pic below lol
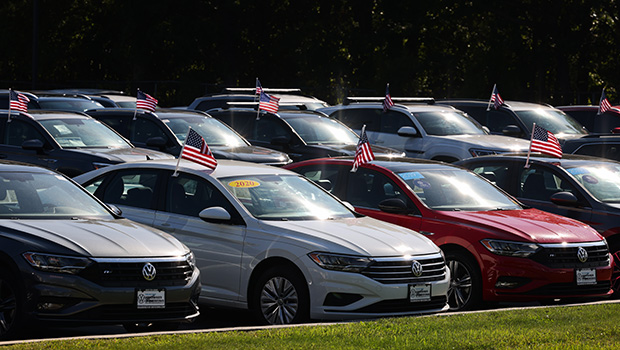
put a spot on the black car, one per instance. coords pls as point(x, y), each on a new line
point(289, 99)
point(76, 103)
point(301, 134)
point(69, 142)
point(165, 130)
point(596, 145)
point(604, 123)
point(65, 258)
point(580, 187)
point(516, 118)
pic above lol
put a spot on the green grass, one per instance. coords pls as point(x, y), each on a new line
point(572, 327)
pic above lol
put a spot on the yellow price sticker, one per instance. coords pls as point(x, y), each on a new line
point(243, 184)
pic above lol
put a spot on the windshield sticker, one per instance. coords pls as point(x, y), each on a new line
point(243, 184)
point(411, 175)
point(578, 171)
point(422, 184)
point(62, 129)
point(590, 179)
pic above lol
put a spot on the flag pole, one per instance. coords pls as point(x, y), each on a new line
point(492, 93)
point(176, 169)
point(8, 119)
point(529, 151)
point(135, 111)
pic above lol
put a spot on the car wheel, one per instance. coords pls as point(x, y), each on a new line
point(11, 306)
point(151, 327)
point(465, 282)
point(614, 249)
point(280, 297)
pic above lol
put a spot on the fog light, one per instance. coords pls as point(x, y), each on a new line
point(49, 306)
point(509, 282)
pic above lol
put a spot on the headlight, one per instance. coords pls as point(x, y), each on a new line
point(508, 248)
point(57, 263)
point(476, 152)
point(346, 263)
point(191, 259)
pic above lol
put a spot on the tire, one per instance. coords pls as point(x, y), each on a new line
point(465, 290)
point(12, 314)
point(614, 250)
point(151, 327)
point(280, 296)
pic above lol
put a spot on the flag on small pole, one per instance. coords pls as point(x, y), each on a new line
point(496, 99)
point(195, 149)
point(18, 102)
point(363, 153)
point(144, 101)
point(259, 88)
point(387, 101)
point(604, 104)
point(543, 141)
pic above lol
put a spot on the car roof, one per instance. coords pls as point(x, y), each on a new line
point(395, 165)
point(412, 107)
point(566, 160)
point(13, 166)
point(38, 114)
point(514, 105)
point(159, 112)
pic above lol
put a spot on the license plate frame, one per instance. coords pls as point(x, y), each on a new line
point(420, 292)
point(585, 277)
point(151, 298)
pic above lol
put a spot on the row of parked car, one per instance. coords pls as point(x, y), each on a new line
point(400, 236)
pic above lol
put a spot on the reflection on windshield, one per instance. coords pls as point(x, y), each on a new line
point(28, 195)
point(602, 181)
point(456, 190)
point(553, 120)
point(83, 133)
point(449, 123)
point(289, 197)
point(212, 130)
point(323, 130)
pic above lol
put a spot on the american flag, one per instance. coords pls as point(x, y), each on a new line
point(363, 153)
point(18, 101)
point(544, 141)
point(387, 101)
point(604, 105)
point(196, 150)
point(268, 103)
point(146, 101)
point(259, 88)
point(496, 98)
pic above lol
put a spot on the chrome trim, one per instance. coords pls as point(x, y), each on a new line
point(573, 245)
point(141, 260)
point(408, 257)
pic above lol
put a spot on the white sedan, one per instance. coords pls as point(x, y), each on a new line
point(272, 241)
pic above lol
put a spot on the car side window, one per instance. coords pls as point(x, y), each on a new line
point(18, 131)
point(324, 176)
point(605, 150)
point(144, 129)
point(267, 128)
point(120, 124)
point(367, 188)
point(134, 188)
point(497, 174)
point(391, 121)
point(355, 118)
point(538, 183)
point(497, 121)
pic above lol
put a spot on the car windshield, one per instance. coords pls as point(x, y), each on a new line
point(69, 104)
point(555, 121)
point(284, 197)
point(448, 123)
point(35, 195)
point(601, 180)
point(212, 130)
point(457, 190)
point(83, 133)
point(323, 131)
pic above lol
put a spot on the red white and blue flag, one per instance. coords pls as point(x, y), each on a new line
point(268, 103)
point(604, 105)
point(18, 101)
point(196, 150)
point(145, 101)
point(387, 101)
point(544, 141)
point(363, 153)
point(259, 88)
point(496, 99)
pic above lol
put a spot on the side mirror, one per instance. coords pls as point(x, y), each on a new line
point(214, 214)
point(512, 130)
point(156, 142)
point(486, 129)
point(393, 206)
point(114, 209)
point(566, 199)
point(33, 145)
point(407, 131)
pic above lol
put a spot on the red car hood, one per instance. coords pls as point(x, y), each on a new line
point(528, 224)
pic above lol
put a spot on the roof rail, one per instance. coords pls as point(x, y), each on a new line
point(254, 105)
point(426, 100)
point(264, 89)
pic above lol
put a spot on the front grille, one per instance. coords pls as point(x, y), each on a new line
point(566, 256)
point(129, 313)
point(403, 305)
point(128, 273)
point(561, 289)
point(399, 270)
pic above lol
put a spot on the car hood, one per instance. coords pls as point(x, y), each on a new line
point(121, 155)
point(529, 225)
point(494, 142)
point(358, 236)
point(349, 150)
point(96, 238)
point(252, 154)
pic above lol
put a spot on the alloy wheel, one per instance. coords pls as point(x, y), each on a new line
point(8, 307)
point(279, 301)
point(460, 291)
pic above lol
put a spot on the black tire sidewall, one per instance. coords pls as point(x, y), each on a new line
point(17, 325)
point(476, 278)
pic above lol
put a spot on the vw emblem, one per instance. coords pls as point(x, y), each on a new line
point(149, 272)
point(416, 268)
point(582, 255)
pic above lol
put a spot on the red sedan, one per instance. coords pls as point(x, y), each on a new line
point(496, 249)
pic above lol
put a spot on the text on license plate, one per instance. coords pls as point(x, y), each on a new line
point(419, 292)
point(585, 276)
point(151, 298)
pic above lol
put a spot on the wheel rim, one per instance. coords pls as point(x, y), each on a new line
point(460, 291)
point(279, 301)
point(8, 305)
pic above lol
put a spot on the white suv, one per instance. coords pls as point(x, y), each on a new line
point(422, 129)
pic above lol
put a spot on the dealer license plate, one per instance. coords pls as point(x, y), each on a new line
point(151, 298)
point(419, 292)
point(585, 276)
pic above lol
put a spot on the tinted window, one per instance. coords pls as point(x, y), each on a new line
point(391, 121)
point(133, 188)
point(120, 124)
point(553, 120)
point(325, 176)
point(188, 195)
point(77, 133)
point(355, 118)
point(448, 123)
point(267, 128)
point(320, 130)
point(498, 175)
point(145, 129)
point(605, 150)
point(497, 121)
point(215, 132)
point(540, 184)
point(18, 131)
point(367, 188)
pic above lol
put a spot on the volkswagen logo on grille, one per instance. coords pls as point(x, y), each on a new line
point(582, 254)
point(416, 268)
point(149, 272)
